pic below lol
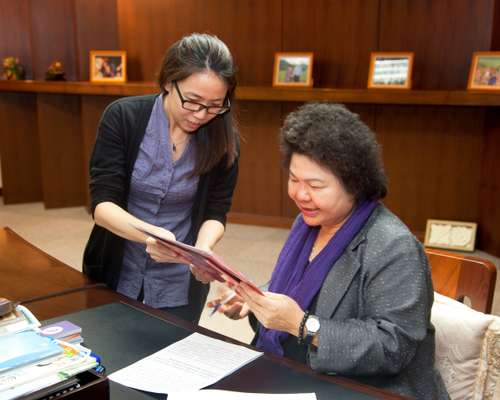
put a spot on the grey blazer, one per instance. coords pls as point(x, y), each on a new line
point(374, 309)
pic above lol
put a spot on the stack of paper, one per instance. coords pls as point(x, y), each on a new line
point(30, 361)
point(71, 360)
point(189, 364)
point(213, 394)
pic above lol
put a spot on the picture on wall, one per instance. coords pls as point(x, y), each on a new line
point(454, 235)
point(485, 71)
point(390, 70)
point(293, 69)
point(108, 66)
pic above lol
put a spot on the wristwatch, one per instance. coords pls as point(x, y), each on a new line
point(312, 327)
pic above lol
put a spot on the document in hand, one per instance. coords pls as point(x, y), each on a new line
point(210, 262)
point(192, 363)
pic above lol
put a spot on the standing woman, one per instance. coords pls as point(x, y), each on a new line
point(167, 163)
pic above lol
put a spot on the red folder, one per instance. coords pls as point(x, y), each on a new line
point(208, 261)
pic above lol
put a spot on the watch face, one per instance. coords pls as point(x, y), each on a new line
point(312, 325)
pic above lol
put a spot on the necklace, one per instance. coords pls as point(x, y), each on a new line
point(174, 145)
point(320, 243)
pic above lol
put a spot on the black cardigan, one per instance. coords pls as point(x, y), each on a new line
point(119, 135)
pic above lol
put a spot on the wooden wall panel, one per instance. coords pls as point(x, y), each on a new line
point(53, 37)
point(433, 160)
point(15, 32)
point(91, 111)
point(495, 35)
point(433, 155)
point(443, 34)
point(489, 209)
point(341, 34)
point(250, 28)
point(96, 29)
point(259, 179)
point(21, 178)
point(61, 149)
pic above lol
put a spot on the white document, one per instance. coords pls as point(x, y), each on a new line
point(190, 364)
point(211, 394)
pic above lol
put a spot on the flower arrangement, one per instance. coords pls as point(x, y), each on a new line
point(12, 69)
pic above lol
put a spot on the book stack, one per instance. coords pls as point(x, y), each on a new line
point(36, 363)
point(64, 330)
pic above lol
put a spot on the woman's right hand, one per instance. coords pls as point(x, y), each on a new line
point(159, 252)
point(235, 308)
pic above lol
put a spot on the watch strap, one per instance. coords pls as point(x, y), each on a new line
point(300, 338)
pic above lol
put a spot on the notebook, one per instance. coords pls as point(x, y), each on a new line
point(24, 348)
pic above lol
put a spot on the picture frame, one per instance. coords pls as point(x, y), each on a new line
point(293, 69)
point(484, 71)
point(451, 235)
point(390, 70)
point(108, 66)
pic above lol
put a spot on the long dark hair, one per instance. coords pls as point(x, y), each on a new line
point(196, 53)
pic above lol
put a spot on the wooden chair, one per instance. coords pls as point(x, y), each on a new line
point(468, 279)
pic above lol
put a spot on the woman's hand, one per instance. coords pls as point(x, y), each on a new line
point(200, 274)
point(234, 308)
point(273, 310)
point(159, 252)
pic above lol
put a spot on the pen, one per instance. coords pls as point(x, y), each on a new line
point(217, 306)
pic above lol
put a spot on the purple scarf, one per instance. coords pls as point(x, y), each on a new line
point(293, 277)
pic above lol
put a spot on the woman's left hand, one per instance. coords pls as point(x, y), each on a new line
point(273, 310)
point(198, 272)
point(200, 275)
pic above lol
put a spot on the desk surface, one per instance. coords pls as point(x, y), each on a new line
point(27, 272)
point(123, 331)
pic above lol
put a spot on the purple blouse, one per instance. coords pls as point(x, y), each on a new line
point(161, 193)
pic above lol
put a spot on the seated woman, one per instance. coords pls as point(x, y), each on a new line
point(351, 293)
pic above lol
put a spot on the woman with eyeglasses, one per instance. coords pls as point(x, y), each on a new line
point(166, 164)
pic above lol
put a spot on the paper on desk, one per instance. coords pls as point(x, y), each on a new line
point(211, 394)
point(192, 363)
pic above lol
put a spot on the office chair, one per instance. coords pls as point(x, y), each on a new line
point(470, 280)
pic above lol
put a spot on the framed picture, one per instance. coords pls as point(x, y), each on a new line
point(485, 70)
point(293, 69)
point(108, 66)
point(390, 70)
point(454, 235)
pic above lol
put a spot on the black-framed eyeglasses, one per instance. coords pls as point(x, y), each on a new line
point(195, 107)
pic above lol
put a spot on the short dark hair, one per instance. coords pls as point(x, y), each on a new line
point(337, 139)
point(199, 52)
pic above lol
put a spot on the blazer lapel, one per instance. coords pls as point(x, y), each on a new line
point(336, 283)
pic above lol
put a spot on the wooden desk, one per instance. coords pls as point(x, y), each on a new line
point(123, 331)
point(53, 290)
point(27, 272)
